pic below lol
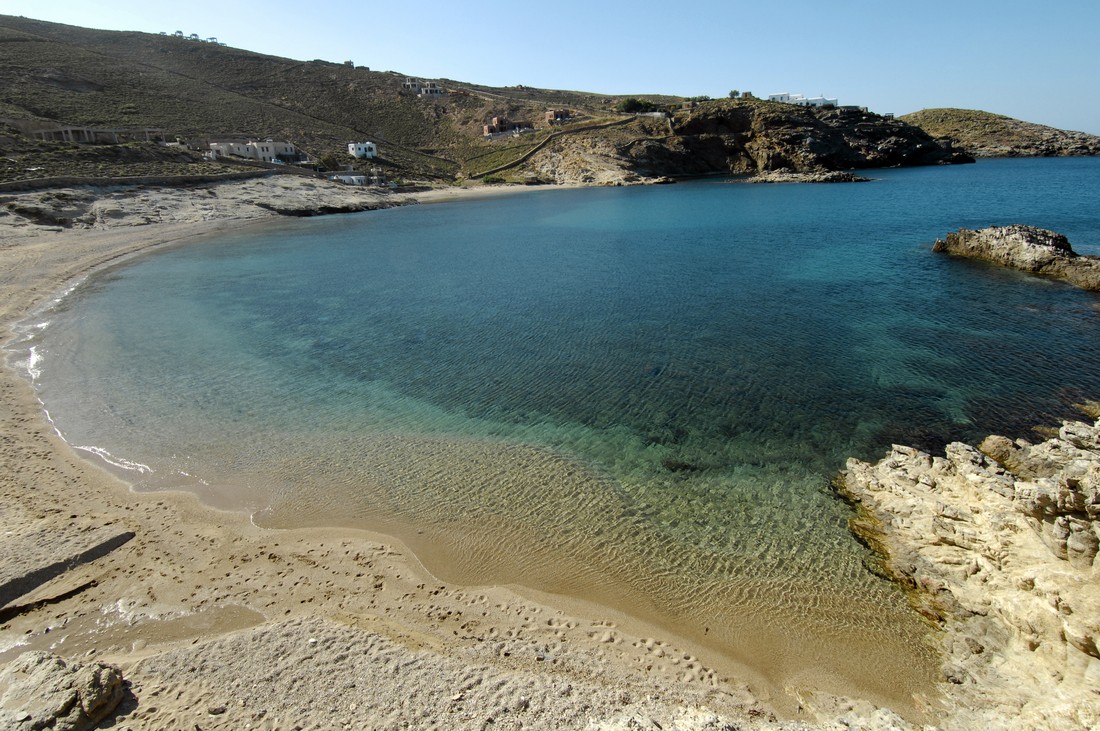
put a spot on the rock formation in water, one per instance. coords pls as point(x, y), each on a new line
point(39, 690)
point(998, 545)
point(1026, 248)
point(785, 176)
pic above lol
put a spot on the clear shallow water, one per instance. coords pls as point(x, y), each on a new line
point(636, 396)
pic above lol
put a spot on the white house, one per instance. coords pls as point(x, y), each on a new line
point(349, 179)
point(272, 150)
point(802, 101)
point(363, 149)
point(263, 150)
point(423, 88)
point(430, 88)
point(225, 149)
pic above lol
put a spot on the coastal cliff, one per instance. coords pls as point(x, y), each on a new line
point(741, 137)
point(760, 136)
point(1026, 248)
point(998, 546)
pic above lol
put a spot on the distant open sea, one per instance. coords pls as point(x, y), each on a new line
point(637, 396)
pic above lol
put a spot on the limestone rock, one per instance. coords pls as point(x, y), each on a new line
point(819, 176)
point(584, 162)
point(1027, 249)
point(999, 547)
point(39, 690)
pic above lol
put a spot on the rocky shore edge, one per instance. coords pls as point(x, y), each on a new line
point(1027, 249)
point(997, 545)
point(818, 176)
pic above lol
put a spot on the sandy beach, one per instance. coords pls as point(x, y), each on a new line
point(218, 624)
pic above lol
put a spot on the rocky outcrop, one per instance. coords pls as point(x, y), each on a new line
point(39, 690)
point(96, 207)
point(740, 137)
point(761, 136)
point(998, 545)
point(1026, 248)
point(604, 156)
point(786, 176)
point(295, 209)
point(984, 134)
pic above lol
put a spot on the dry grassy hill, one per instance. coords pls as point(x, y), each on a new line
point(194, 91)
point(984, 134)
point(189, 89)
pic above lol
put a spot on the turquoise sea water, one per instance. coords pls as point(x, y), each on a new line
point(637, 396)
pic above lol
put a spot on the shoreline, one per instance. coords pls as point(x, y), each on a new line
point(195, 579)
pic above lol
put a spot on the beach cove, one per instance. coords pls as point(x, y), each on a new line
point(239, 590)
point(183, 590)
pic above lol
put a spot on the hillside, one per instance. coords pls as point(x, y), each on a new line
point(984, 134)
point(192, 91)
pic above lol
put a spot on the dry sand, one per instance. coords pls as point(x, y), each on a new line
point(218, 624)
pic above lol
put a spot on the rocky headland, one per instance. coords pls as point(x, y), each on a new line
point(998, 545)
point(740, 137)
point(761, 136)
point(1026, 248)
point(983, 134)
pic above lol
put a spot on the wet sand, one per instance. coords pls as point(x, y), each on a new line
point(320, 627)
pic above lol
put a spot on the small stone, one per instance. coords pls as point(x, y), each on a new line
point(216, 710)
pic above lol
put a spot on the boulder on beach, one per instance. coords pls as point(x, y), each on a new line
point(1026, 248)
point(40, 690)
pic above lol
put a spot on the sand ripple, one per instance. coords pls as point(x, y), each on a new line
point(484, 512)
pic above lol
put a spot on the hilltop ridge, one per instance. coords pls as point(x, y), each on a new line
point(193, 91)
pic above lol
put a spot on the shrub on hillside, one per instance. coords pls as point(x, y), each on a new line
point(634, 105)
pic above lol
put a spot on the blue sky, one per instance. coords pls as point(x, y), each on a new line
point(1033, 61)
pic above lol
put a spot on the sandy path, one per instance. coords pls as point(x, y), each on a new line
point(219, 624)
